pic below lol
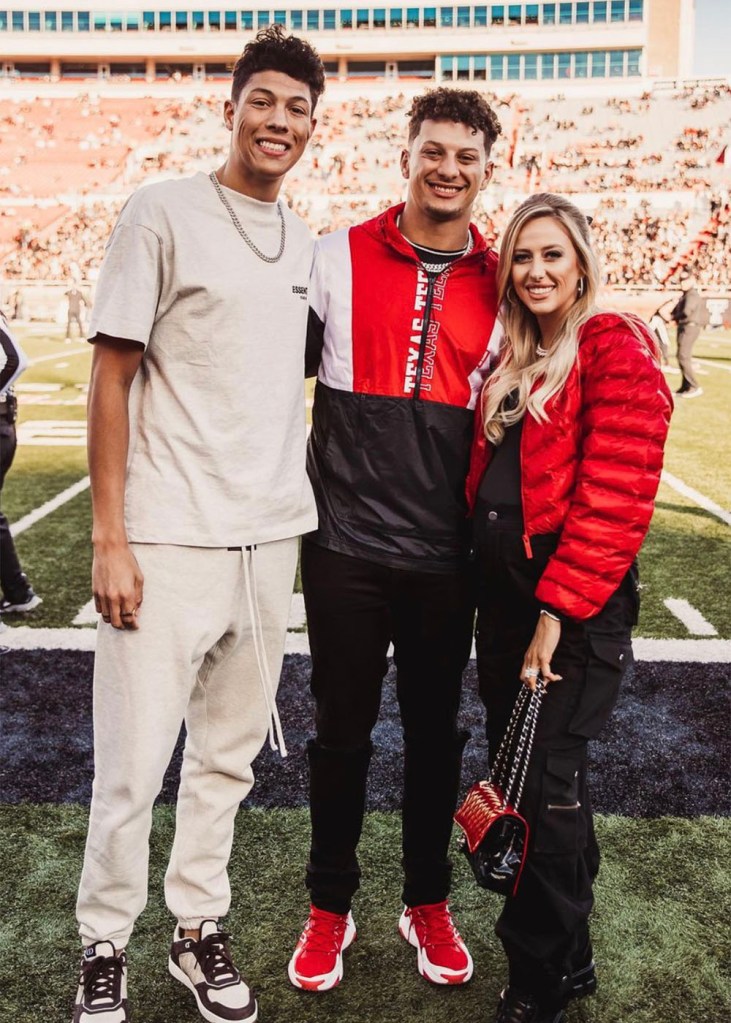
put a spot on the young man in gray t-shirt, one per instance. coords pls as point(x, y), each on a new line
point(199, 490)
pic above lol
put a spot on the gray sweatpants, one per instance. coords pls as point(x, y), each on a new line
point(194, 658)
point(687, 337)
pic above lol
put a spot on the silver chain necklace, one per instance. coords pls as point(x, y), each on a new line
point(237, 224)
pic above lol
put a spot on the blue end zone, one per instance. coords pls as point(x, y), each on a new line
point(664, 752)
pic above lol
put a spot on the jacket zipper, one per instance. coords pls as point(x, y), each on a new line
point(431, 281)
point(526, 538)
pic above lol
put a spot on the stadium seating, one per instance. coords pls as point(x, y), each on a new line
point(647, 169)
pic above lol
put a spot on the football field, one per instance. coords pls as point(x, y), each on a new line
point(660, 771)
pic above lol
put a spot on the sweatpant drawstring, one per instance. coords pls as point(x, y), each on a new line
point(275, 724)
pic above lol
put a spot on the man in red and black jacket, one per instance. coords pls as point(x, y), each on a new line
point(403, 321)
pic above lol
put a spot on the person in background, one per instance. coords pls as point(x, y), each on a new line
point(77, 304)
point(18, 595)
point(565, 467)
point(691, 315)
point(402, 312)
point(199, 494)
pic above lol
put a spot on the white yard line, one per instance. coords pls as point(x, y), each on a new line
point(67, 353)
point(715, 365)
point(88, 615)
point(695, 495)
point(50, 506)
point(23, 637)
point(52, 433)
point(690, 616)
point(699, 651)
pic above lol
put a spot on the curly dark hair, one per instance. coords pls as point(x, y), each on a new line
point(273, 50)
point(458, 105)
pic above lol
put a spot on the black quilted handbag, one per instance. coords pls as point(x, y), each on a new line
point(495, 836)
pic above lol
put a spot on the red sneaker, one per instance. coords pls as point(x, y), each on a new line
point(442, 955)
point(317, 963)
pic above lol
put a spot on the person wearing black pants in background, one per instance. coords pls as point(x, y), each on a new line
point(565, 466)
point(18, 595)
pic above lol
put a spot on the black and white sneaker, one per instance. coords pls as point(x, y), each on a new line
point(102, 994)
point(206, 969)
point(29, 601)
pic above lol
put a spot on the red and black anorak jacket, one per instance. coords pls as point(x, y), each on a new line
point(401, 357)
point(591, 473)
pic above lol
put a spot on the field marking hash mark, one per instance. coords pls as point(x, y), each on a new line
point(690, 617)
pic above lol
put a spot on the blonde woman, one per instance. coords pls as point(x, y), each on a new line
point(564, 472)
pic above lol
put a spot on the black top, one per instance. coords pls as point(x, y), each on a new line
point(500, 486)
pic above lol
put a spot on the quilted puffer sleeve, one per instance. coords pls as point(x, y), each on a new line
point(626, 408)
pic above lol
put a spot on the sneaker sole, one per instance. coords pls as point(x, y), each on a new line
point(176, 972)
point(327, 981)
point(428, 970)
point(21, 609)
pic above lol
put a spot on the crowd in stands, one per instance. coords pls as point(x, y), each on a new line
point(75, 247)
point(632, 151)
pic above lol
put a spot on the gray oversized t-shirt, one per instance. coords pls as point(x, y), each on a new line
point(217, 443)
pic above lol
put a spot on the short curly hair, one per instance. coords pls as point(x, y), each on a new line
point(459, 105)
point(273, 50)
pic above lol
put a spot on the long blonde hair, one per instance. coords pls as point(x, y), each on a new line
point(520, 367)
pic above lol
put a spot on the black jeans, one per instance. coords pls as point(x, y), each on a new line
point(12, 581)
point(544, 927)
point(354, 610)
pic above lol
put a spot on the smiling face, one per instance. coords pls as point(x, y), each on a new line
point(446, 165)
point(545, 272)
point(270, 123)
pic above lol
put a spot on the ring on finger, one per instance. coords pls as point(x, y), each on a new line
point(531, 672)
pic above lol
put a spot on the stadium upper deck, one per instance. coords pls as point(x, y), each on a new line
point(581, 41)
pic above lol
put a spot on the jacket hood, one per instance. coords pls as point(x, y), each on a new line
point(384, 227)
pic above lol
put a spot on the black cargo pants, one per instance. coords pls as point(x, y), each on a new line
point(355, 609)
point(544, 927)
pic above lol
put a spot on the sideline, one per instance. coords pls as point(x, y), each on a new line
point(50, 506)
point(699, 651)
point(88, 615)
point(695, 495)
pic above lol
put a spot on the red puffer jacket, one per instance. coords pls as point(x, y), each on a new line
point(591, 473)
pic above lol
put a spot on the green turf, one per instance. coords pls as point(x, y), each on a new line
point(685, 555)
point(699, 451)
point(38, 474)
point(56, 555)
point(660, 925)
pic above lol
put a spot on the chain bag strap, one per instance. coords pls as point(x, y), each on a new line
point(495, 839)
